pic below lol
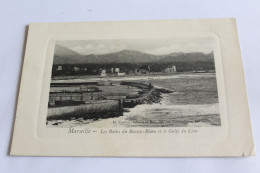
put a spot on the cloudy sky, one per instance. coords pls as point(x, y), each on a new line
point(151, 46)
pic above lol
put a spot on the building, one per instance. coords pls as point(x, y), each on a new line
point(59, 68)
point(112, 70)
point(137, 71)
point(141, 71)
point(76, 68)
point(103, 73)
point(171, 69)
point(117, 70)
point(120, 74)
point(149, 68)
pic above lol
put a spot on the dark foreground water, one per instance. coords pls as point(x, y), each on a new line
point(194, 102)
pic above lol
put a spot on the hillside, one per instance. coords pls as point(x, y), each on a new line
point(67, 56)
point(62, 51)
point(188, 57)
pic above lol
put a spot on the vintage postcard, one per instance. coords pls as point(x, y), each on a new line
point(168, 88)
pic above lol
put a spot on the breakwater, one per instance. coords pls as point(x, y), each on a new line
point(152, 96)
point(95, 110)
point(104, 108)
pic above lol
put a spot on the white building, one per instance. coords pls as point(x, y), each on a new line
point(117, 70)
point(76, 68)
point(120, 74)
point(59, 68)
point(171, 69)
point(103, 73)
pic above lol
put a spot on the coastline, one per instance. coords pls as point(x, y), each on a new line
point(99, 112)
point(172, 102)
point(129, 78)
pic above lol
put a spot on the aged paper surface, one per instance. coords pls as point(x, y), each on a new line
point(168, 88)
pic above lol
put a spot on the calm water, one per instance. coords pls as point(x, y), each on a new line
point(194, 102)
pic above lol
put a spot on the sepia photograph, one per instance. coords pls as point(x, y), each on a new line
point(134, 83)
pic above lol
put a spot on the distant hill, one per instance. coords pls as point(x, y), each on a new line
point(62, 51)
point(188, 57)
point(124, 56)
point(66, 56)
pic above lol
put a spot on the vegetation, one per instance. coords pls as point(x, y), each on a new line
point(128, 68)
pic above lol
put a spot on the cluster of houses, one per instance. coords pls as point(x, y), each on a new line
point(116, 71)
point(171, 69)
point(102, 72)
point(59, 68)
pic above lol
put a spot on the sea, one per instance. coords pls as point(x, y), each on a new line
point(193, 102)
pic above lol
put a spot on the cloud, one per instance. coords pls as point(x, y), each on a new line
point(187, 47)
point(97, 48)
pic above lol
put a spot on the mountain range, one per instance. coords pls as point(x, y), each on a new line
point(64, 55)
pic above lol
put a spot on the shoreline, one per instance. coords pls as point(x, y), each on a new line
point(161, 106)
point(94, 115)
point(127, 78)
